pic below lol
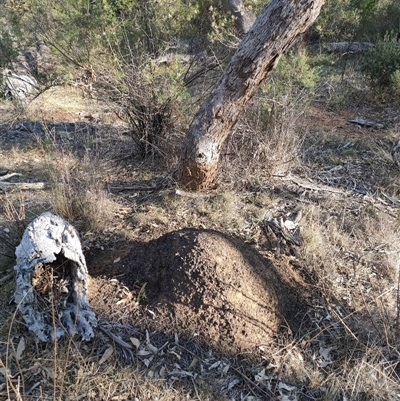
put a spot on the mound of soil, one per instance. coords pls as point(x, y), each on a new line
point(204, 283)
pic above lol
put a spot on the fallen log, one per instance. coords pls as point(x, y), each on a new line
point(51, 280)
point(348, 47)
point(22, 185)
point(366, 123)
point(19, 185)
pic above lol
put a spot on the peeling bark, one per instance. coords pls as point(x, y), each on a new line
point(272, 33)
point(51, 280)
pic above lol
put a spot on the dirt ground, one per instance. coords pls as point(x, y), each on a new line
point(172, 277)
point(205, 284)
point(202, 283)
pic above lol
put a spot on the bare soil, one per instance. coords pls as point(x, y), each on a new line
point(206, 284)
point(338, 121)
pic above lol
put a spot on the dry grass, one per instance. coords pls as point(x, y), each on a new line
point(51, 106)
point(78, 191)
point(348, 345)
point(71, 371)
point(265, 143)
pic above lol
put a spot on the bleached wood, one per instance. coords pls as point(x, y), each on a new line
point(9, 175)
point(45, 238)
point(35, 186)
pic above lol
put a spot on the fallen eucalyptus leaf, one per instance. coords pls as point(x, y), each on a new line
point(287, 387)
point(143, 352)
point(135, 342)
point(107, 353)
point(152, 348)
point(214, 365)
point(20, 348)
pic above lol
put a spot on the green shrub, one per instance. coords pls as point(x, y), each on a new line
point(338, 21)
point(295, 71)
point(381, 62)
point(395, 81)
point(357, 20)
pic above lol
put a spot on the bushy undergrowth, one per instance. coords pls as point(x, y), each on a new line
point(382, 63)
point(152, 99)
point(357, 20)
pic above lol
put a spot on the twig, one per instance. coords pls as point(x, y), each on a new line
point(7, 256)
point(246, 379)
point(398, 301)
point(10, 383)
point(133, 188)
point(344, 324)
point(46, 88)
point(394, 156)
point(192, 194)
point(6, 277)
point(118, 340)
point(7, 243)
point(315, 187)
point(392, 200)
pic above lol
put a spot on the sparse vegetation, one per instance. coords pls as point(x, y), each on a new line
point(108, 161)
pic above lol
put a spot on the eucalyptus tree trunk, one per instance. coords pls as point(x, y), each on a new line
point(275, 29)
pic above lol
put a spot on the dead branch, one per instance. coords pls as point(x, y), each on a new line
point(19, 185)
point(7, 176)
point(312, 186)
point(394, 154)
point(4, 186)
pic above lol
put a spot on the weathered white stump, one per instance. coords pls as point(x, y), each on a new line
point(51, 280)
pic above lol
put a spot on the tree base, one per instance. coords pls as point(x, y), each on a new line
point(197, 177)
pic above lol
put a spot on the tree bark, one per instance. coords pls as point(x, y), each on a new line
point(272, 33)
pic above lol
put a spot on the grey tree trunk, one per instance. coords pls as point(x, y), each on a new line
point(272, 33)
point(243, 19)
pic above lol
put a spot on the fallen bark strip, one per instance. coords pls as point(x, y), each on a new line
point(19, 185)
point(366, 123)
point(192, 195)
point(114, 337)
